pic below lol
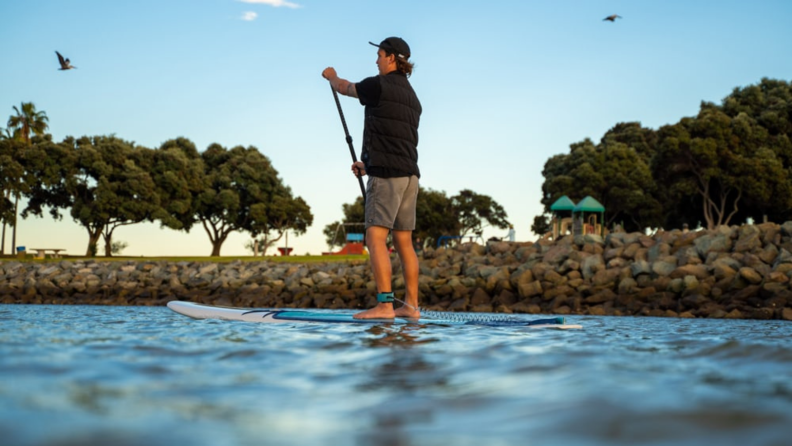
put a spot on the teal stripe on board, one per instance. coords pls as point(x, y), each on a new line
point(310, 316)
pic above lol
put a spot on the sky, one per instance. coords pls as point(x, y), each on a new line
point(504, 85)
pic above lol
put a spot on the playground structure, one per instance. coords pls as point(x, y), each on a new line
point(586, 217)
point(354, 241)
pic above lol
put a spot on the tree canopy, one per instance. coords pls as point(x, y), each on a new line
point(243, 192)
point(730, 162)
point(436, 215)
point(26, 121)
point(104, 183)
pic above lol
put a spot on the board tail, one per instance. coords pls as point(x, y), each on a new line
point(550, 321)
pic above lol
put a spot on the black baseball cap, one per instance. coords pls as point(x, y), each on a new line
point(395, 45)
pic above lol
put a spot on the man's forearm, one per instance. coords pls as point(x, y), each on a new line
point(344, 87)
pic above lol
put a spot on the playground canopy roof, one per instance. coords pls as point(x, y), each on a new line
point(563, 204)
point(589, 204)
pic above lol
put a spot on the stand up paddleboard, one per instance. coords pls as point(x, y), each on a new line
point(198, 311)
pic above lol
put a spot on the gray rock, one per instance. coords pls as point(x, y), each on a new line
point(700, 272)
point(712, 243)
point(207, 269)
point(320, 276)
point(591, 264)
point(676, 285)
point(486, 271)
point(498, 247)
point(627, 285)
point(691, 283)
point(688, 255)
point(751, 275)
point(640, 267)
point(663, 268)
point(46, 271)
point(786, 229)
point(557, 254)
point(658, 251)
point(748, 241)
point(724, 271)
point(784, 256)
point(769, 254)
point(529, 289)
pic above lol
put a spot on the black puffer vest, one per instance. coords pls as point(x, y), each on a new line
point(390, 133)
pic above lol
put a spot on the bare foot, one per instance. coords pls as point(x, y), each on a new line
point(408, 312)
point(381, 311)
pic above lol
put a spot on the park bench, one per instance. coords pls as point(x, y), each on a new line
point(40, 253)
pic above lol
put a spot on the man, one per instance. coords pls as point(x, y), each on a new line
point(511, 236)
point(390, 159)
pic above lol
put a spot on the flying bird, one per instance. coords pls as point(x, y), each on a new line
point(612, 18)
point(64, 63)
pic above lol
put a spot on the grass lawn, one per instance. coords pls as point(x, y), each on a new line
point(222, 259)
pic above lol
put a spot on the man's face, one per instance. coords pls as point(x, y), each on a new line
point(384, 62)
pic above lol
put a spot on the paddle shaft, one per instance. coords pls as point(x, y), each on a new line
point(349, 142)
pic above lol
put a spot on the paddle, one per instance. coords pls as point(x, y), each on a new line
point(349, 142)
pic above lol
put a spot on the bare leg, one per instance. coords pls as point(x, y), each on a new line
point(402, 240)
point(376, 239)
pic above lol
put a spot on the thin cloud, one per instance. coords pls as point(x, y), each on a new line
point(273, 3)
point(249, 16)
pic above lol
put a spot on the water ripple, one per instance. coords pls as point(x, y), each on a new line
point(146, 376)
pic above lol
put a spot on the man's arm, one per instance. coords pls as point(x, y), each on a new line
point(342, 86)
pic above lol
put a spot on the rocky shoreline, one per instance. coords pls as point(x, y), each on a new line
point(740, 272)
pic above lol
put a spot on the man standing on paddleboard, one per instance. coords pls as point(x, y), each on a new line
point(390, 159)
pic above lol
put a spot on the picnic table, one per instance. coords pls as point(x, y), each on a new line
point(42, 252)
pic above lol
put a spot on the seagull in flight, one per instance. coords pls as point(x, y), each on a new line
point(612, 18)
point(64, 63)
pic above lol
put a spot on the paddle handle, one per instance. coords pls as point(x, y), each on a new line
point(349, 143)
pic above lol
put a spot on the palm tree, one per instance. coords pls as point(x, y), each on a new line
point(26, 121)
point(6, 134)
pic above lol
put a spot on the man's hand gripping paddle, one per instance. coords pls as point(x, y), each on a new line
point(349, 142)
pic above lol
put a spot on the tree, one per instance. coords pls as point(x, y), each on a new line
point(473, 210)
point(118, 247)
point(282, 213)
point(241, 193)
point(541, 225)
point(53, 171)
point(705, 157)
point(641, 139)
point(762, 115)
point(26, 121)
point(178, 173)
point(104, 182)
point(436, 215)
point(127, 194)
point(615, 173)
point(730, 162)
point(6, 134)
point(354, 214)
point(11, 170)
point(768, 103)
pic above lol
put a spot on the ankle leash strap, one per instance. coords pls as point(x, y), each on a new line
point(385, 297)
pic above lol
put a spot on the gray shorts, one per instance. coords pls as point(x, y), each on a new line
point(390, 202)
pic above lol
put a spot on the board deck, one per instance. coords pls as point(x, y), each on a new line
point(199, 311)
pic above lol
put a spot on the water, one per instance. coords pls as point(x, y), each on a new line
point(91, 375)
